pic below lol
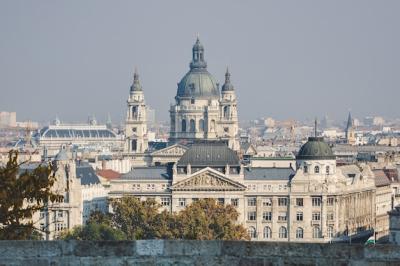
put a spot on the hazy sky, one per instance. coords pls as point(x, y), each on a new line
point(288, 59)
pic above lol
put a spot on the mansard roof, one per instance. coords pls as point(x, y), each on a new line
point(148, 173)
point(209, 154)
point(86, 174)
point(268, 173)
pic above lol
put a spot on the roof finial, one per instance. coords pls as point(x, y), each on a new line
point(135, 73)
point(227, 75)
point(315, 127)
point(198, 36)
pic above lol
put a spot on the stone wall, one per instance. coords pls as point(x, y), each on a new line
point(165, 252)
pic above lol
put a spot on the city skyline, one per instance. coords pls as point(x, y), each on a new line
point(287, 61)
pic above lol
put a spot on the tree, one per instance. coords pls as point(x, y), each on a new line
point(21, 195)
point(93, 231)
point(98, 227)
point(137, 219)
point(205, 219)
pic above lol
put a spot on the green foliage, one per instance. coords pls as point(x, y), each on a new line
point(206, 219)
point(93, 231)
point(23, 194)
point(137, 219)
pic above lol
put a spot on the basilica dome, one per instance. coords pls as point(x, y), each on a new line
point(315, 149)
point(198, 83)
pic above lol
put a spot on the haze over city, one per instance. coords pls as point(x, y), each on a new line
point(288, 59)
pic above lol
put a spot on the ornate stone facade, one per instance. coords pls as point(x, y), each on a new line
point(200, 111)
point(136, 123)
point(316, 202)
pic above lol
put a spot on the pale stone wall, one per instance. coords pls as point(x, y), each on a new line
point(169, 252)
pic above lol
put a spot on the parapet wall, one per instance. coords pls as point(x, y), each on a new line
point(185, 252)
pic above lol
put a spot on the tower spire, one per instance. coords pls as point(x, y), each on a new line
point(315, 127)
point(136, 83)
point(227, 85)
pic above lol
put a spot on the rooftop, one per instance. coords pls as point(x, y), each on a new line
point(268, 173)
point(209, 154)
point(147, 173)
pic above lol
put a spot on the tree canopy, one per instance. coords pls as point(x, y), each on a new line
point(135, 219)
point(22, 193)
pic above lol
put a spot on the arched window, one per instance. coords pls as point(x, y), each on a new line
point(316, 232)
point(267, 232)
point(183, 125)
point(331, 232)
point(316, 169)
point(282, 232)
point(226, 112)
point(252, 232)
point(212, 125)
point(133, 145)
point(299, 232)
point(201, 125)
point(192, 125)
point(327, 170)
point(134, 112)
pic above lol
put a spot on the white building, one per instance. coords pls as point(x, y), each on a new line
point(316, 202)
point(200, 111)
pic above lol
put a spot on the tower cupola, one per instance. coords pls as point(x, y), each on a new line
point(136, 83)
point(227, 85)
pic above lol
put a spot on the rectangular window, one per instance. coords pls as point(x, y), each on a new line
point(299, 202)
point(42, 214)
point(221, 201)
point(316, 216)
point(282, 216)
point(195, 199)
point(60, 214)
point(252, 201)
point(182, 202)
point(316, 201)
point(282, 201)
point(330, 216)
point(165, 201)
point(330, 201)
point(267, 216)
point(235, 202)
point(299, 216)
point(251, 216)
point(267, 202)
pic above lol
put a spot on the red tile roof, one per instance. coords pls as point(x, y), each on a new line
point(108, 174)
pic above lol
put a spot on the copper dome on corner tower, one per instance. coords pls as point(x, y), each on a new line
point(315, 149)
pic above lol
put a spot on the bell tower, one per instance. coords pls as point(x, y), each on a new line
point(228, 124)
point(136, 124)
point(350, 131)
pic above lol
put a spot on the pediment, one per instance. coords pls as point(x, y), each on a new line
point(174, 150)
point(207, 180)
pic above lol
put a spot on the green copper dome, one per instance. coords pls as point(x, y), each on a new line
point(198, 82)
point(315, 149)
